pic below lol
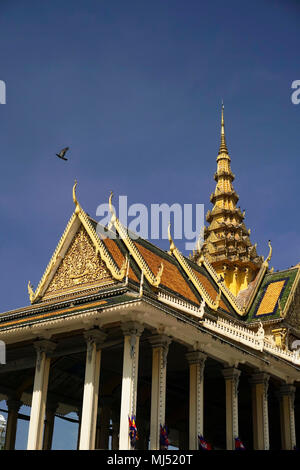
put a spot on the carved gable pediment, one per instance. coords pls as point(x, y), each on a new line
point(81, 268)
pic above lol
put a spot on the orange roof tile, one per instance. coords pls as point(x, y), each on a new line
point(118, 256)
point(171, 277)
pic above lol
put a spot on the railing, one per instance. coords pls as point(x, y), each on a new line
point(236, 332)
point(231, 330)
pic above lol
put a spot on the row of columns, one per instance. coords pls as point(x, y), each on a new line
point(40, 436)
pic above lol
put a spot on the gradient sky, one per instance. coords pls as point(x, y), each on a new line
point(134, 88)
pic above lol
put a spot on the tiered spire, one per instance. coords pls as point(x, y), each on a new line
point(226, 241)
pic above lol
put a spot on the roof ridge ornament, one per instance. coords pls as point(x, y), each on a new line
point(77, 206)
point(269, 255)
point(223, 146)
point(30, 291)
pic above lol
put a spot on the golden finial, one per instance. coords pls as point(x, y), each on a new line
point(159, 275)
point(270, 251)
point(112, 211)
point(223, 147)
point(172, 245)
point(30, 291)
point(77, 207)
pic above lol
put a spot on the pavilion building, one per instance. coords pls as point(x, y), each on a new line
point(117, 327)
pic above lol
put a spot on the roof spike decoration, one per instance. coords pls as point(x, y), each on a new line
point(270, 253)
point(153, 280)
point(77, 206)
point(141, 284)
point(223, 146)
point(30, 291)
point(112, 211)
point(172, 244)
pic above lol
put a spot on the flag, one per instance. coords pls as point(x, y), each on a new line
point(238, 444)
point(203, 444)
point(132, 431)
point(164, 441)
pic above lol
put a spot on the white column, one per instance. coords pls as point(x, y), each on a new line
point(39, 395)
point(160, 347)
point(231, 376)
point(196, 360)
point(94, 339)
point(132, 332)
point(287, 416)
point(260, 383)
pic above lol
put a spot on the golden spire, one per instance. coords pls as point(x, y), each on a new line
point(227, 245)
point(223, 147)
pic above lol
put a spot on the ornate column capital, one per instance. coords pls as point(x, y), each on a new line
point(195, 357)
point(162, 341)
point(95, 335)
point(259, 378)
point(44, 346)
point(231, 373)
point(132, 328)
point(287, 390)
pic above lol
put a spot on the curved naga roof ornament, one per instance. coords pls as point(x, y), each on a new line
point(270, 253)
point(132, 248)
point(77, 206)
point(213, 304)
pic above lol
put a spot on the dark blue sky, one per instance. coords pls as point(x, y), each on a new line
point(134, 88)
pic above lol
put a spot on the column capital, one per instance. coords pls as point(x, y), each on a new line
point(132, 328)
point(286, 390)
point(13, 404)
point(230, 373)
point(95, 335)
point(44, 346)
point(259, 378)
point(196, 357)
point(162, 341)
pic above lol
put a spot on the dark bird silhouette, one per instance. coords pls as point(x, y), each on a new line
point(62, 153)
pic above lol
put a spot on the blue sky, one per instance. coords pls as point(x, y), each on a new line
point(134, 88)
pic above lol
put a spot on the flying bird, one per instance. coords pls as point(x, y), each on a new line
point(62, 153)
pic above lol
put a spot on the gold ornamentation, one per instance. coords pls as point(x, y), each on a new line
point(30, 291)
point(80, 266)
point(270, 252)
point(77, 206)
